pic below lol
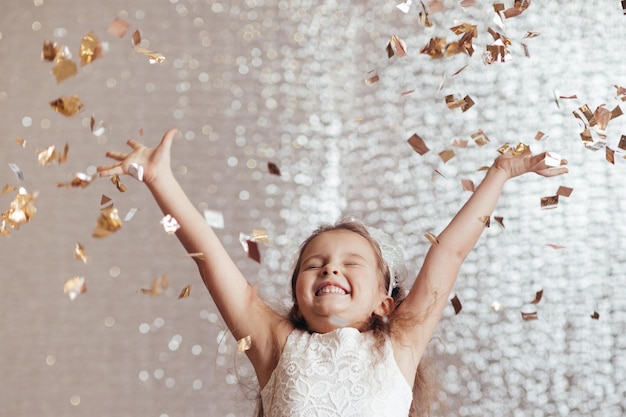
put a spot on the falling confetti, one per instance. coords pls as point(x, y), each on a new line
point(549, 202)
point(17, 171)
point(21, 210)
point(170, 224)
point(243, 344)
point(118, 27)
point(273, 169)
point(50, 156)
point(432, 238)
point(418, 144)
point(90, 49)
point(595, 315)
point(214, 218)
point(108, 222)
point(185, 292)
point(115, 179)
point(80, 179)
point(371, 77)
point(67, 106)
point(538, 297)
point(153, 57)
point(79, 253)
point(456, 303)
point(159, 285)
point(446, 155)
point(75, 286)
point(64, 69)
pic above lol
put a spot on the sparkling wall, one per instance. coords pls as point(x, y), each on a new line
point(258, 81)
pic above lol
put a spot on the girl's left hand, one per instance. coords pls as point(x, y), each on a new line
point(514, 166)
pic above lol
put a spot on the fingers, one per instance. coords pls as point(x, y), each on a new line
point(118, 156)
point(168, 137)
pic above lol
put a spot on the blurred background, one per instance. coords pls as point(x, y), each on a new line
point(309, 87)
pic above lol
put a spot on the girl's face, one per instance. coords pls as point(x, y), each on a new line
point(339, 283)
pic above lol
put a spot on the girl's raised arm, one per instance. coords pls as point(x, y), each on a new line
point(429, 294)
point(243, 311)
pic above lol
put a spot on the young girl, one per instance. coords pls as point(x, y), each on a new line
point(352, 343)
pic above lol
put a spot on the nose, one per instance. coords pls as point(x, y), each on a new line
point(330, 270)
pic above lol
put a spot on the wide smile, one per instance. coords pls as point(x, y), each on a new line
point(330, 289)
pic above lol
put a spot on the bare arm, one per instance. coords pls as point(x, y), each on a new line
point(429, 294)
point(243, 311)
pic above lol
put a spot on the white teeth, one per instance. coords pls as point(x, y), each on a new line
point(330, 289)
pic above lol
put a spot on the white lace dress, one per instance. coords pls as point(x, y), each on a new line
point(338, 374)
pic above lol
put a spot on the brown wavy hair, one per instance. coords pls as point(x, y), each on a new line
point(423, 387)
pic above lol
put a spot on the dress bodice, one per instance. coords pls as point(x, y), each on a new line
point(336, 374)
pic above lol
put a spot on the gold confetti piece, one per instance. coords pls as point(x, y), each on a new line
point(454, 101)
point(504, 149)
point(433, 239)
point(79, 253)
point(158, 285)
point(67, 106)
point(549, 202)
point(468, 185)
point(405, 93)
point(610, 155)
point(496, 306)
point(620, 93)
point(108, 222)
point(396, 46)
point(136, 38)
point(273, 169)
point(460, 143)
point(435, 48)
point(538, 296)
point(4, 229)
point(517, 9)
point(185, 292)
point(21, 210)
point(564, 191)
point(49, 155)
point(118, 27)
point(371, 77)
point(115, 179)
point(21, 142)
point(49, 51)
point(153, 57)
point(457, 72)
point(418, 144)
point(260, 235)
point(446, 155)
point(480, 138)
point(622, 143)
point(90, 49)
point(485, 220)
point(243, 344)
point(596, 315)
point(7, 189)
point(64, 69)
point(435, 6)
point(456, 303)
point(554, 246)
point(499, 220)
point(423, 18)
point(80, 180)
point(525, 49)
point(73, 287)
point(530, 316)
point(198, 255)
point(540, 136)
point(529, 35)
point(170, 225)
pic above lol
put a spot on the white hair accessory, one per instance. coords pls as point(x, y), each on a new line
point(392, 256)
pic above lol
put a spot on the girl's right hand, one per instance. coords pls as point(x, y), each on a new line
point(152, 160)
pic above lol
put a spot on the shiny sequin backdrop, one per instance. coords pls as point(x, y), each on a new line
point(259, 81)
